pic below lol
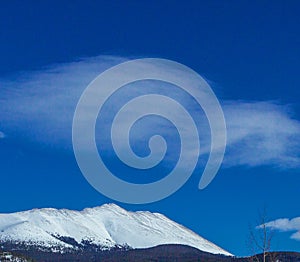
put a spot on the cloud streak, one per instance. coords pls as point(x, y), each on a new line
point(40, 105)
point(286, 225)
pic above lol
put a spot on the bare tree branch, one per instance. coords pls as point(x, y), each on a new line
point(260, 240)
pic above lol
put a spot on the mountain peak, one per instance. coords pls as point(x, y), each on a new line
point(109, 206)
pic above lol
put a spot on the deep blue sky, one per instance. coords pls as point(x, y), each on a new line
point(248, 50)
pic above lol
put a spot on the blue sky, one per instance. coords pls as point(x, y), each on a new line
point(248, 51)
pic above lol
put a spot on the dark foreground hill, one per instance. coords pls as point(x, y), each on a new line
point(163, 253)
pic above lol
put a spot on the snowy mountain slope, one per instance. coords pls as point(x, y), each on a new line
point(105, 226)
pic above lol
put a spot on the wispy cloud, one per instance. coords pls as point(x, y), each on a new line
point(286, 225)
point(262, 133)
point(2, 135)
point(40, 106)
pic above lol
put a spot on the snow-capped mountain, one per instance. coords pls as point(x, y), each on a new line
point(106, 226)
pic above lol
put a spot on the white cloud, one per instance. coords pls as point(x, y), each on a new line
point(286, 225)
point(261, 133)
point(41, 104)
